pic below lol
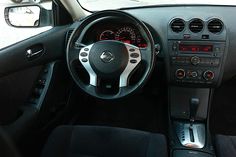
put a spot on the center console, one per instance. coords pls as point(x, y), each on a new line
point(197, 49)
point(196, 62)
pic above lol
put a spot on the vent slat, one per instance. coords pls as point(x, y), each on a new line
point(215, 26)
point(196, 25)
point(177, 25)
point(68, 34)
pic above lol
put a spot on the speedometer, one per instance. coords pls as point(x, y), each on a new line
point(126, 35)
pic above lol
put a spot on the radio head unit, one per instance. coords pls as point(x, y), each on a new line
point(195, 62)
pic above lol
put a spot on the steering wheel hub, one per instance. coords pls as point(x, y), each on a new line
point(108, 58)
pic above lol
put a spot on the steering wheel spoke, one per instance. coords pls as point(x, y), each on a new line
point(135, 57)
point(84, 60)
point(145, 54)
point(91, 89)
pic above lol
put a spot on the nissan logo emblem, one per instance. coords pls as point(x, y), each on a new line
point(107, 57)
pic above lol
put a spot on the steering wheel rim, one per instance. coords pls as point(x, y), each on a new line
point(74, 51)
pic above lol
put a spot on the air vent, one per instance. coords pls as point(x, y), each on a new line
point(68, 34)
point(177, 25)
point(215, 26)
point(196, 25)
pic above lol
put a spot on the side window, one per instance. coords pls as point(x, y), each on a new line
point(21, 19)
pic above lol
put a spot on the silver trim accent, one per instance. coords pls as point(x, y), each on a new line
point(178, 71)
point(130, 66)
point(213, 75)
point(87, 66)
point(30, 53)
point(198, 132)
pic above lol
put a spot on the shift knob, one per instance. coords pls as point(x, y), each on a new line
point(194, 104)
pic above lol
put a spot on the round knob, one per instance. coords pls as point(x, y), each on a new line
point(192, 74)
point(180, 73)
point(208, 75)
point(195, 60)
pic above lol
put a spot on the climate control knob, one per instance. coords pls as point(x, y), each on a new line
point(195, 60)
point(180, 73)
point(208, 75)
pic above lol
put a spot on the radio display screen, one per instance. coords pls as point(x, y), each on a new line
point(195, 48)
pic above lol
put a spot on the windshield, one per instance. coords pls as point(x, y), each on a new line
point(96, 5)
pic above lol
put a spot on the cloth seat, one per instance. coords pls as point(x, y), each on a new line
point(7, 147)
point(225, 146)
point(98, 141)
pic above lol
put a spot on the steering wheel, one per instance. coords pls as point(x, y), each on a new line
point(109, 60)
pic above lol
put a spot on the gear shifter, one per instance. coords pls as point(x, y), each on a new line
point(194, 103)
point(191, 135)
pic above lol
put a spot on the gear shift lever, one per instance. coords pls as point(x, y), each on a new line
point(192, 135)
point(194, 103)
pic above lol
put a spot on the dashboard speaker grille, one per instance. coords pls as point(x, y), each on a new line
point(215, 26)
point(177, 25)
point(196, 25)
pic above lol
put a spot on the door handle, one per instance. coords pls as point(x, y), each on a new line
point(34, 51)
point(30, 53)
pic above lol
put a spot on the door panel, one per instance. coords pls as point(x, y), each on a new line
point(14, 57)
point(19, 75)
point(15, 90)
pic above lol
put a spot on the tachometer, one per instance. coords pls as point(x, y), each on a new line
point(126, 35)
point(107, 35)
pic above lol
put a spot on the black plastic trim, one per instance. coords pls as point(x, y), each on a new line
point(53, 44)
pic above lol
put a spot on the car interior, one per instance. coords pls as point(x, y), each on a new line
point(143, 81)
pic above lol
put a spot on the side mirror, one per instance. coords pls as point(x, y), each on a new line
point(27, 16)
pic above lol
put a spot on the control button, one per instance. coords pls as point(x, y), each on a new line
point(208, 75)
point(180, 73)
point(132, 50)
point(216, 62)
point(195, 60)
point(134, 55)
point(83, 54)
point(133, 61)
point(41, 82)
point(86, 49)
point(205, 36)
point(174, 47)
point(204, 61)
point(187, 60)
point(187, 36)
point(192, 74)
point(217, 49)
point(84, 59)
point(180, 60)
point(174, 60)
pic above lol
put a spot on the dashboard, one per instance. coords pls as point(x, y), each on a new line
point(192, 53)
point(115, 30)
point(194, 56)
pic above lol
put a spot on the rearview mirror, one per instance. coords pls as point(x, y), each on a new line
point(23, 16)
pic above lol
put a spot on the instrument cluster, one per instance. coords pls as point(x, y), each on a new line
point(124, 33)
